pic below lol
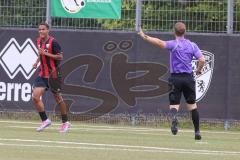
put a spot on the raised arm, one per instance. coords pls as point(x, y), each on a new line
point(158, 42)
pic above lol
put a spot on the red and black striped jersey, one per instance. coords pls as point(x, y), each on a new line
point(48, 65)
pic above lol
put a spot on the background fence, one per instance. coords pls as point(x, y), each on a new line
point(208, 16)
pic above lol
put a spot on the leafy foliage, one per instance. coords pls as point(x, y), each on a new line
point(199, 15)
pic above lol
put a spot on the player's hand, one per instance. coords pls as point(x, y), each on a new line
point(198, 72)
point(141, 33)
point(35, 65)
point(40, 51)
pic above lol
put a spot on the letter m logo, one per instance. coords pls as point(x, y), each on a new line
point(15, 58)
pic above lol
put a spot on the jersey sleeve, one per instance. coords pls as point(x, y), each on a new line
point(56, 48)
point(196, 51)
point(170, 45)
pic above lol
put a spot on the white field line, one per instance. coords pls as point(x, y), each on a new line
point(113, 149)
point(65, 144)
point(94, 129)
point(127, 128)
point(137, 132)
point(130, 131)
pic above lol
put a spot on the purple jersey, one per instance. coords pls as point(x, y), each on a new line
point(182, 52)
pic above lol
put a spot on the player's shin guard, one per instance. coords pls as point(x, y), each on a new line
point(195, 119)
point(64, 118)
point(173, 113)
point(43, 115)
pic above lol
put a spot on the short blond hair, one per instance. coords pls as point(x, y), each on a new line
point(179, 29)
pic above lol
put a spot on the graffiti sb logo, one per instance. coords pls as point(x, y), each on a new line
point(203, 80)
point(73, 6)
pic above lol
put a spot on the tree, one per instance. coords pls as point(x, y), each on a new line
point(199, 15)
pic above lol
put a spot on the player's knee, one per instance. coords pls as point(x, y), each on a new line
point(36, 94)
point(58, 98)
point(35, 99)
point(191, 106)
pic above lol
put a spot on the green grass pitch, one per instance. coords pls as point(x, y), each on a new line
point(20, 141)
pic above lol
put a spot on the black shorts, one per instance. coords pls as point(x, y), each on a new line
point(182, 83)
point(44, 83)
point(41, 82)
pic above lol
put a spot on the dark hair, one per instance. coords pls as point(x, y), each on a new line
point(180, 29)
point(44, 24)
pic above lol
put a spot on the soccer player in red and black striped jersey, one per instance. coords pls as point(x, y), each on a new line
point(50, 55)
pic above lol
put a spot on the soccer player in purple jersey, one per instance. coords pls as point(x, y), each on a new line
point(181, 51)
